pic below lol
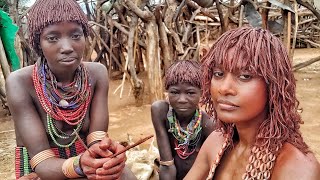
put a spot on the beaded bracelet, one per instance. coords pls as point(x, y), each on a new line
point(95, 137)
point(167, 163)
point(41, 156)
point(77, 167)
point(69, 170)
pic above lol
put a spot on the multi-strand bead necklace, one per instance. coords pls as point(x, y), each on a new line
point(186, 140)
point(68, 103)
point(261, 162)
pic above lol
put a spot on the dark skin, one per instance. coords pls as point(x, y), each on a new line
point(240, 97)
point(63, 45)
point(184, 99)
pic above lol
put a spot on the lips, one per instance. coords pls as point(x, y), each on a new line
point(226, 105)
point(68, 59)
point(182, 109)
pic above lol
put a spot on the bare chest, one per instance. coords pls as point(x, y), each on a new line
point(231, 167)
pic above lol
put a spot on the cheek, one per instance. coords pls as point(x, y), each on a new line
point(213, 90)
point(257, 96)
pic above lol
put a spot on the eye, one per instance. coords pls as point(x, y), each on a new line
point(245, 77)
point(76, 36)
point(218, 74)
point(173, 92)
point(191, 92)
point(52, 38)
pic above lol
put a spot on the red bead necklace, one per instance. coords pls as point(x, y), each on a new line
point(67, 103)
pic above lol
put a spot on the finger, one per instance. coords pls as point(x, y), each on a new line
point(113, 162)
point(105, 143)
point(109, 171)
point(99, 152)
point(87, 163)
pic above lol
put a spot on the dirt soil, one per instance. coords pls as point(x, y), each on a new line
point(126, 118)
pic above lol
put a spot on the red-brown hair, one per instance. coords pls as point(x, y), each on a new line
point(46, 12)
point(263, 54)
point(183, 71)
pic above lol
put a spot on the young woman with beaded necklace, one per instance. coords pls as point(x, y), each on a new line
point(59, 97)
point(250, 88)
point(181, 127)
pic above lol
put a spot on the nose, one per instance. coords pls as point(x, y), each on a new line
point(227, 85)
point(182, 98)
point(66, 46)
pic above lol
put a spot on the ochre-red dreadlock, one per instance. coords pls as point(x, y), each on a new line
point(263, 54)
point(185, 71)
point(46, 12)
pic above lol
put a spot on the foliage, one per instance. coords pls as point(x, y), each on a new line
point(4, 5)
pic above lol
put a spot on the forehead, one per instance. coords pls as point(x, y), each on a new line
point(183, 85)
point(235, 59)
point(62, 26)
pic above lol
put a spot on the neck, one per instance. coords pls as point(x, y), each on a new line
point(64, 78)
point(247, 131)
point(185, 120)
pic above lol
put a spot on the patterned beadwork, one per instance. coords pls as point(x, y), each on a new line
point(68, 103)
point(185, 140)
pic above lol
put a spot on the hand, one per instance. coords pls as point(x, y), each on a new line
point(97, 165)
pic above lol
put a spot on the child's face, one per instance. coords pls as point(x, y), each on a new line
point(63, 45)
point(184, 98)
point(238, 96)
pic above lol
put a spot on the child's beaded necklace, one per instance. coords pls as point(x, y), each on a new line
point(68, 103)
point(187, 140)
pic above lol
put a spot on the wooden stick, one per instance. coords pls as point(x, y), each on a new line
point(130, 146)
point(83, 144)
point(116, 154)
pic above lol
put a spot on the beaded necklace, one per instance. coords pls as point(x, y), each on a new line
point(261, 162)
point(68, 103)
point(186, 140)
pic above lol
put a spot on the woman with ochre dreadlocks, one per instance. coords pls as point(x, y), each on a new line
point(59, 98)
point(181, 127)
point(249, 86)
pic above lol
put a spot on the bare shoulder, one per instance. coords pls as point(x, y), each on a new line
point(206, 156)
point(96, 69)
point(98, 74)
point(215, 139)
point(291, 164)
point(160, 106)
point(19, 81)
point(94, 66)
point(213, 144)
point(20, 75)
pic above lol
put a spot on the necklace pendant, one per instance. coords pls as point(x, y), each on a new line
point(63, 103)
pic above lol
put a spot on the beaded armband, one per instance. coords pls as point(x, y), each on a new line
point(95, 137)
point(167, 163)
point(71, 168)
point(77, 166)
point(41, 156)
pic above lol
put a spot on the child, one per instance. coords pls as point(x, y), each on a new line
point(250, 88)
point(181, 127)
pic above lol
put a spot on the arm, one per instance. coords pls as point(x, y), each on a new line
point(29, 128)
point(97, 167)
point(159, 111)
point(292, 164)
